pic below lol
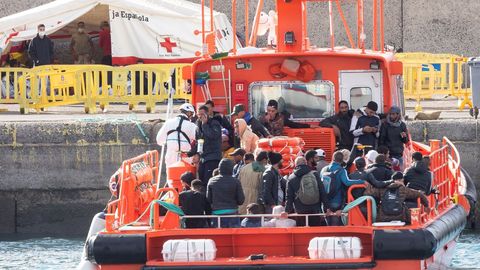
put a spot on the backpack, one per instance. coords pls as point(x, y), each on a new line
point(331, 182)
point(308, 193)
point(391, 203)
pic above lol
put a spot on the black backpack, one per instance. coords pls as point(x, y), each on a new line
point(391, 203)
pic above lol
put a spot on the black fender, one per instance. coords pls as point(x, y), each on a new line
point(471, 195)
point(117, 249)
point(415, 244)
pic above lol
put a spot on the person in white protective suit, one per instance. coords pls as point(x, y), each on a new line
point(178, 134)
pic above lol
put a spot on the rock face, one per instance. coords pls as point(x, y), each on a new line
point(429, 25)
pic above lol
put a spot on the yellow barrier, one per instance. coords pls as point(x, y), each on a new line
point(426, 75)
point(57, 85)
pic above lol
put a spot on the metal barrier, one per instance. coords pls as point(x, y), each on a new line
point(426, 75)
point(58, 85)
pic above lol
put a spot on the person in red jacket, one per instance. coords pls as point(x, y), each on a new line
point(105, 43)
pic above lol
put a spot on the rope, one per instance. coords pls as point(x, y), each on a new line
point(356, 203)
point(131, 118)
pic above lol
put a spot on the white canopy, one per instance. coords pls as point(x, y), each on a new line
point(153, 30)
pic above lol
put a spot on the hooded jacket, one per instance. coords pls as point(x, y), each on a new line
point(293, 204)
point(248, 139)
point(225, 191)
point(271, 180)
point(418, 177)
point(251, 179)
point(380, 171)
point(405, 193)
point(391, 138)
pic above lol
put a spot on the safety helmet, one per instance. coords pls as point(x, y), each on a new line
point(187, 107)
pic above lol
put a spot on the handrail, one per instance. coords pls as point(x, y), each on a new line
point(262, 216)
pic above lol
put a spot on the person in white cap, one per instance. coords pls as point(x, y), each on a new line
point(370, 157)
point(321, 162)
point(178, 134)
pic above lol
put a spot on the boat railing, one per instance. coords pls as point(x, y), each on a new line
point(446, 172)
point(262, 217)
point(290, 25)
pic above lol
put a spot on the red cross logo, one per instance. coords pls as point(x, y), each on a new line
point(168, 45)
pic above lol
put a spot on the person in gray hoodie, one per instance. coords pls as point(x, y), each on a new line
point(225, 194)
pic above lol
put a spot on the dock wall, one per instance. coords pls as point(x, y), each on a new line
point(54, 176)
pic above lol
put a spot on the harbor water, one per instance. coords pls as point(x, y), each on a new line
point(60, 253)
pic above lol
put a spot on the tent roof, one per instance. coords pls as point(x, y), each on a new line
point(29, 19)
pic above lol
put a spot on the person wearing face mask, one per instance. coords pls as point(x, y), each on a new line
point(41, 48)
point(81, 45)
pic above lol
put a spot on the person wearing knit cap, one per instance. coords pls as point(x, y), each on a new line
point(394, 134)
point(273, 189)
point(275, 121)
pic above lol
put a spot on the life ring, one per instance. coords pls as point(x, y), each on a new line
point(276, 71)
point(289, 150)
point(280, 142)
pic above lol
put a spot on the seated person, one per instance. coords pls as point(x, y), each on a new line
point(186, 178)
point(275, 121)
point(282, 221)
point(392, 200)
point(379, 169)
point(252, 222)
point(194, 202)
point(418, 176)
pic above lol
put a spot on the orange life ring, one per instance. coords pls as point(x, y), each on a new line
point(276, 71)
point(289, 150)
point(280, 142)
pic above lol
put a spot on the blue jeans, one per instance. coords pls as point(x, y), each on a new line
point(227, 222)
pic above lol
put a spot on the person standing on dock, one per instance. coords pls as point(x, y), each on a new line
point(178, 134)
point(105, 43)
point(41, 48)
point(81, 46)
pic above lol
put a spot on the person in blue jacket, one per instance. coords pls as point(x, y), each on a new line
point(337, 197)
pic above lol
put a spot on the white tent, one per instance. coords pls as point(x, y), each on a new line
point(153, 30)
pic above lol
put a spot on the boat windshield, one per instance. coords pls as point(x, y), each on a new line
point(303, 101)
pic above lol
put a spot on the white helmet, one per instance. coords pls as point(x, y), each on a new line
point(187, 107)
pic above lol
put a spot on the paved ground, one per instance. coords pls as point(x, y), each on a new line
point(448, 106)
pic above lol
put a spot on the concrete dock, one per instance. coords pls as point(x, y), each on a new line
point(55, 165)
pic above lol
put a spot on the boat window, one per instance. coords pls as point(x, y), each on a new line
point(360, 96)
point(303, 101)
